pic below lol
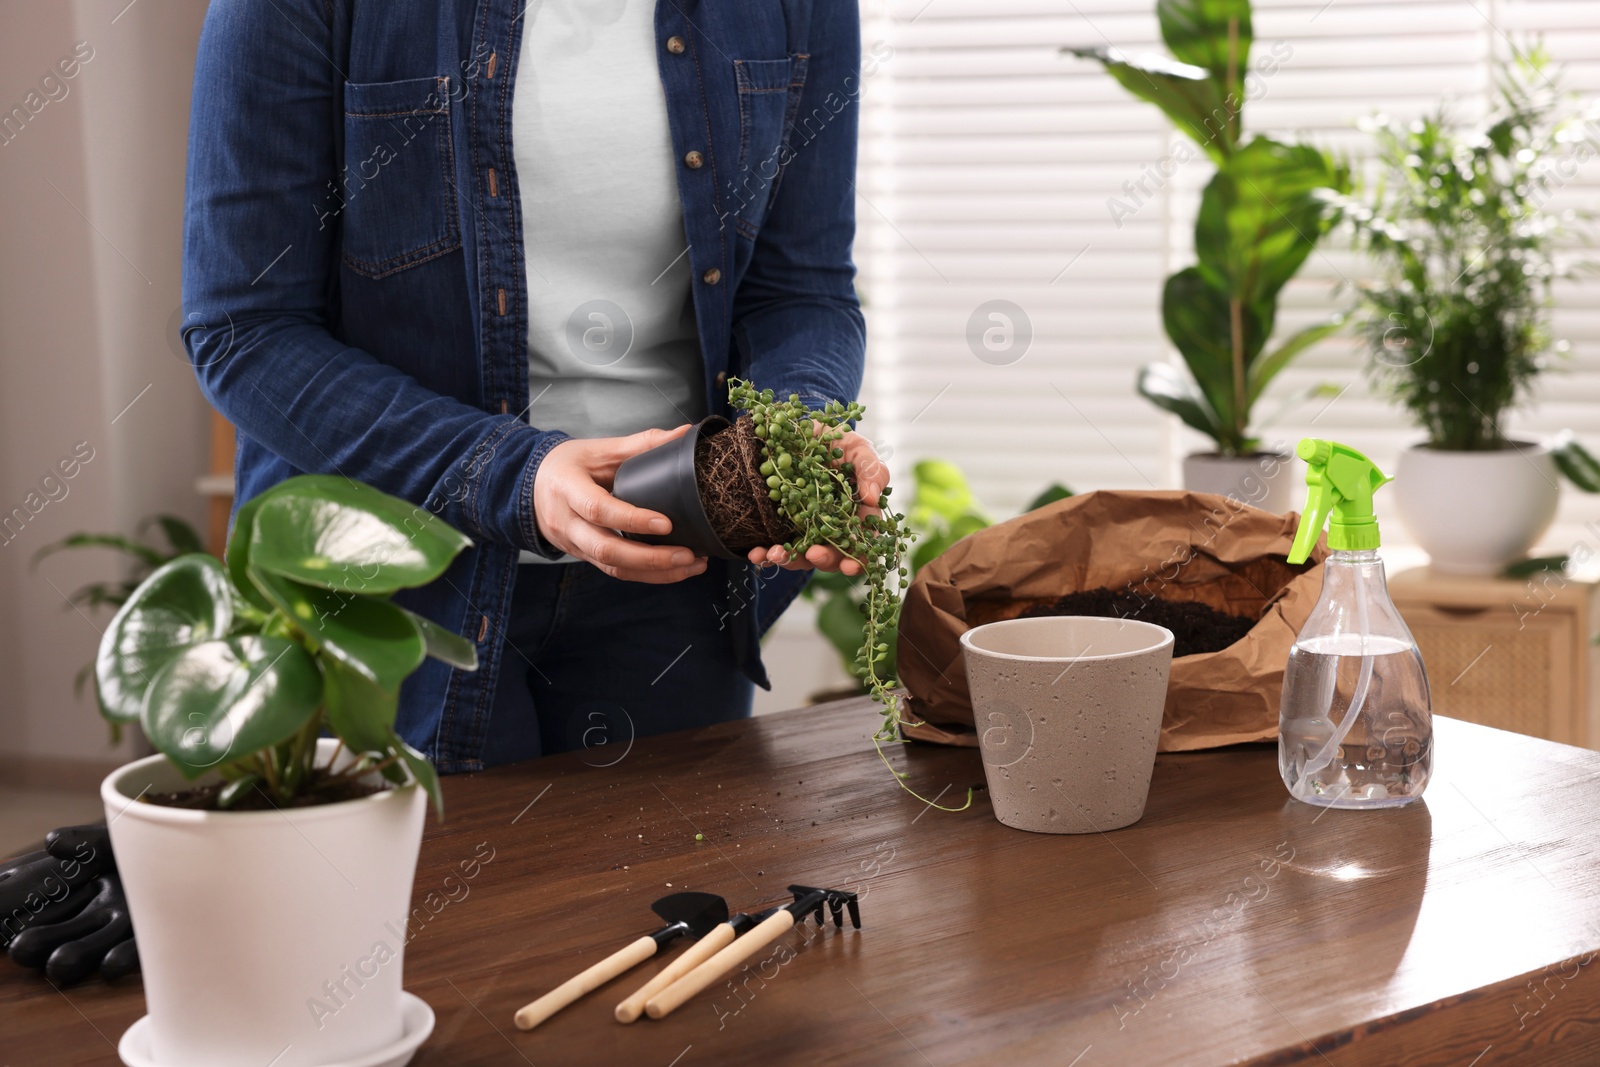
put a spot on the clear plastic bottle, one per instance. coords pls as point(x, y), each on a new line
point(1355, 726)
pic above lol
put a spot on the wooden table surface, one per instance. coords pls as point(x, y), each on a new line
point(1230, 926)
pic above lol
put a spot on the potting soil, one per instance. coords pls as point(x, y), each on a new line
point(1195, 627)
point(321, 790)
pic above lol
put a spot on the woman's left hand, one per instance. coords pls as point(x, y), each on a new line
point(872, 477)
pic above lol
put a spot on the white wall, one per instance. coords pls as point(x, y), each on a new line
point(89, 276)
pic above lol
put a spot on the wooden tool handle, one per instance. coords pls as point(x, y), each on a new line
point(692, 957)
point(670, 999)
point(533, 1014)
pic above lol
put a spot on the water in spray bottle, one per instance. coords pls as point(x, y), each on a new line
point(1355, 725)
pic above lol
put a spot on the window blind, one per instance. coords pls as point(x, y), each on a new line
point(999, 177)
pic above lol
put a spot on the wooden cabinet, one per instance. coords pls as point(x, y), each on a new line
point(217, 484)
point(1512, 653)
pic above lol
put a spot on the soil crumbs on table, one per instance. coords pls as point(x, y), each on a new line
point(1195, 627)
point(323, 789)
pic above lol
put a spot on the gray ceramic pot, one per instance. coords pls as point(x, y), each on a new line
point(1068, 711)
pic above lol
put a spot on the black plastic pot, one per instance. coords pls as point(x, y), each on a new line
point(663, 479)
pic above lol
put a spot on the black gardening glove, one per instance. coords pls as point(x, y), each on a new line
point(62, 910)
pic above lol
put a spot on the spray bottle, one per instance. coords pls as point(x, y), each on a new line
point(1355, 724)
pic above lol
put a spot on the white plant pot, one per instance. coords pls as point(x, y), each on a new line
point(1475, 512)
point(1266, 480)
point(268, 936)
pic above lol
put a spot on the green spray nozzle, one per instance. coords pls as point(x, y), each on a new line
point(1339, 485)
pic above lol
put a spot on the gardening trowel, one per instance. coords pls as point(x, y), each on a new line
point(693, 956)
point(806, 899)
point(695, 914)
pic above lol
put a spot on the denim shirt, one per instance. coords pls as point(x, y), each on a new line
point(354, 287)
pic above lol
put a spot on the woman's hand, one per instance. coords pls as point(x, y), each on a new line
point(573, 505)
point(872, 477)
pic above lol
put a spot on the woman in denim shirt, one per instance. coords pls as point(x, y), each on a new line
point(476, 254)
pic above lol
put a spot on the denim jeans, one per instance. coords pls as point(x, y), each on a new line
point(592, 662)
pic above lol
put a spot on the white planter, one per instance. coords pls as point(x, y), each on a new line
point(271, 936)
point(1475, 512)
point(1266, 480)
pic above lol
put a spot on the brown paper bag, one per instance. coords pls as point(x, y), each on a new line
point(1176, 545)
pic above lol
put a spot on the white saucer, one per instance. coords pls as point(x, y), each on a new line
point(134, 1048)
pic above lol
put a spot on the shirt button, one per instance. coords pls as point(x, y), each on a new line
point(675, 45)
point(722, 378)
point(693, 160)
point(712, 276)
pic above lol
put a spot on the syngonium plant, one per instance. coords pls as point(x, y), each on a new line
point(1260, 216)
point(238, 666)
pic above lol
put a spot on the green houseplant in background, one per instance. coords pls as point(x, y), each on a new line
point(1261, 215)
point(234, 669)
point(143, 558)
point(1457, 321)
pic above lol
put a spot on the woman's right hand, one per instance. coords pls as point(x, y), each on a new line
point(573, 505)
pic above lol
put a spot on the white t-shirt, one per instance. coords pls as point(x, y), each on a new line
point(612, 344)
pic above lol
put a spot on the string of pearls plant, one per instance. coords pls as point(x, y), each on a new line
point(814, 488)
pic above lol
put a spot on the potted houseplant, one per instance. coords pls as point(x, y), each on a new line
point(777, 476)
point(1456, 323)
point(267, 867)
point(1260, 215)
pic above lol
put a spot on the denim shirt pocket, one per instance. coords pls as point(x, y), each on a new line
point(769, 96)
point(397, 166)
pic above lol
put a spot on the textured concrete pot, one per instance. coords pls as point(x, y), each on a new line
point(1068, 711)
point(1270, 481)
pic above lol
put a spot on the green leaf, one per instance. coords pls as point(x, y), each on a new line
point(1197, 319)
point(371, 636)
point(840, 622)
point(829, 581)
point(231, 793)
point(967, 524)
point(360, 712)
point(1187, 93)
point(445, 646)
point(342, 535)
point(179, 534)
point(1263, 370)
point(144, 553)
point(1051, 493)
point(1167, 388)
point(1576, 462)
point(1260, 217)
point(421, 771)
point(182, 604)
point(930, 547)
point(100, 595)
point(1524, 568)
point(941, 491)
point(237, 555)
point(1198, 32)
point(224, 700)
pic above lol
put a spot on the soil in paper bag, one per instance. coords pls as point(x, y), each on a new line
point(1195, 627)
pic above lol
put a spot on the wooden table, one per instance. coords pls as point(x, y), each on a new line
point(1230, 926)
